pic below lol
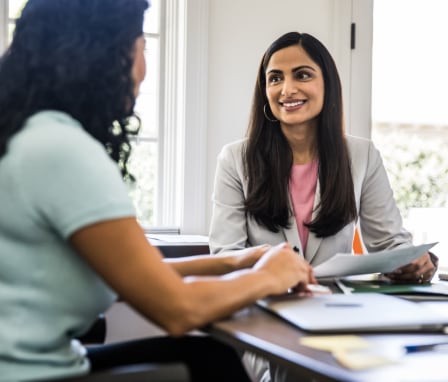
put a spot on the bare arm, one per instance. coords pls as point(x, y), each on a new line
point(120, 253)
point(217, 265)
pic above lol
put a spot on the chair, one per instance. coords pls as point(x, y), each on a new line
point(358, 245)
point(174, 372)
point(97, 332)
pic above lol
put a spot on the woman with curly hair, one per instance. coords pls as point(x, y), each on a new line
point(69, 239)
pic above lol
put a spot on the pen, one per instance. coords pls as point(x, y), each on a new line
point(344, 288)
point(296, 250)
point(425, 347)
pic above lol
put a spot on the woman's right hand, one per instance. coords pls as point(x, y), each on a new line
point(287, 269)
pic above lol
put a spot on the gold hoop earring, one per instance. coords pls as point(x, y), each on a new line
point(266, 114)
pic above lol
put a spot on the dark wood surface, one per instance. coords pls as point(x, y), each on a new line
point(179, 248)
point(182, 249)
point(257, 330)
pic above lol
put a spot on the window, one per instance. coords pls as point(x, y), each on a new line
point(145, 155)
point(157, 159)
point(409, 119)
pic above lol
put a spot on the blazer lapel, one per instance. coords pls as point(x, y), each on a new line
point(313, 241)
point(292, 236)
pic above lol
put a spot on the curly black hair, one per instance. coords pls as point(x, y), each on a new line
point(74, 56)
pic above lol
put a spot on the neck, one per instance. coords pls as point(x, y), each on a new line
point(302, 141)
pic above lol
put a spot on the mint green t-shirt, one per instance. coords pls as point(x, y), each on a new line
point(54, 179)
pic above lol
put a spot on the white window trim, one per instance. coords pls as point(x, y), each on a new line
point(192, 120)
point(181, 191)
point(361, 70)
point(4, 21)
point(169, 129)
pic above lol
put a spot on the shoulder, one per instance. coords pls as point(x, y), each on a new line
point(354, 142)
point(366, 160)
point(52, 130)
point(230, 159)
point(52, 145)
point(232, 150)
point(51, 137)
point(234, 147)
point(361, 148)
point(64, 175)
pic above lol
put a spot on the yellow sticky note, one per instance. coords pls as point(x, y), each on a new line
point(352, 352)
point(335, 343)
point(359, 360)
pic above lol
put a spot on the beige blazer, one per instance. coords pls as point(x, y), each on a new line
point(379, 217)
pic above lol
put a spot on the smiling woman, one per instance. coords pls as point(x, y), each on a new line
point(298, 176)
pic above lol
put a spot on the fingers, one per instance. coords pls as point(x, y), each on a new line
point(312, 279)
point(247, 257)
point(288, 269)
point(421, 270)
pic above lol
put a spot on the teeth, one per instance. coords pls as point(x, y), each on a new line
point(292, 104)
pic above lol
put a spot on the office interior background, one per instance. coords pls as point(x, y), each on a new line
point(202, 58)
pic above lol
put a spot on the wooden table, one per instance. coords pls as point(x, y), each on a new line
point(261, 332)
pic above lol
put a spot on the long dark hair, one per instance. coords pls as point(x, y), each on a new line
point(268, 157)
point(74, 56)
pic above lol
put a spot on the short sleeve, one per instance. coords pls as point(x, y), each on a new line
point(66, 178)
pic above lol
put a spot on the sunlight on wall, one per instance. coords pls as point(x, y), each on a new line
point(410, 61)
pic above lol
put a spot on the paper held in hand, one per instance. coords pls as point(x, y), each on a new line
point(347, 264)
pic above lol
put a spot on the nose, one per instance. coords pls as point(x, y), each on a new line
point(289, 87)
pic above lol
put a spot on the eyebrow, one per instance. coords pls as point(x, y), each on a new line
point(293, 70)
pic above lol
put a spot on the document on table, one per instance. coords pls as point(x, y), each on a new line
point(178, 238)
point(347, 264)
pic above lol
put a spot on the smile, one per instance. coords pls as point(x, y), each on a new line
point(292, 104)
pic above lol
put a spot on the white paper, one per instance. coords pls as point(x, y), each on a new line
point(178, 238)
point(346, 264)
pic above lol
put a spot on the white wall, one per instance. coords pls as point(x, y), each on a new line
point(239, 33)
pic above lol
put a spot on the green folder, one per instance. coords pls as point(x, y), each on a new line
point(427, 291)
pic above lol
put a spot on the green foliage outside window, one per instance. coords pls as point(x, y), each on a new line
point(143, 166)
point(417, 168)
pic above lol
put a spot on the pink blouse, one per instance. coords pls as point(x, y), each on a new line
point(302, 188)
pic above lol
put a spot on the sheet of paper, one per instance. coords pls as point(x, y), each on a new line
point(346, 264)
point(178, 238)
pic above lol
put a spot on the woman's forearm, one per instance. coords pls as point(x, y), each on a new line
point(202, 265)
point(219, 264)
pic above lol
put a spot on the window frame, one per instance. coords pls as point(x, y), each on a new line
point(183, 115)
point(4, 17)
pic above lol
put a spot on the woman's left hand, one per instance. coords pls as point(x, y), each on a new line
point(421, 270)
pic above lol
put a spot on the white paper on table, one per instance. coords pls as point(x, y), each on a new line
point(347, 264)
point(178, 238)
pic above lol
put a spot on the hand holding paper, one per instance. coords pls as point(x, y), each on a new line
point(346, 264)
